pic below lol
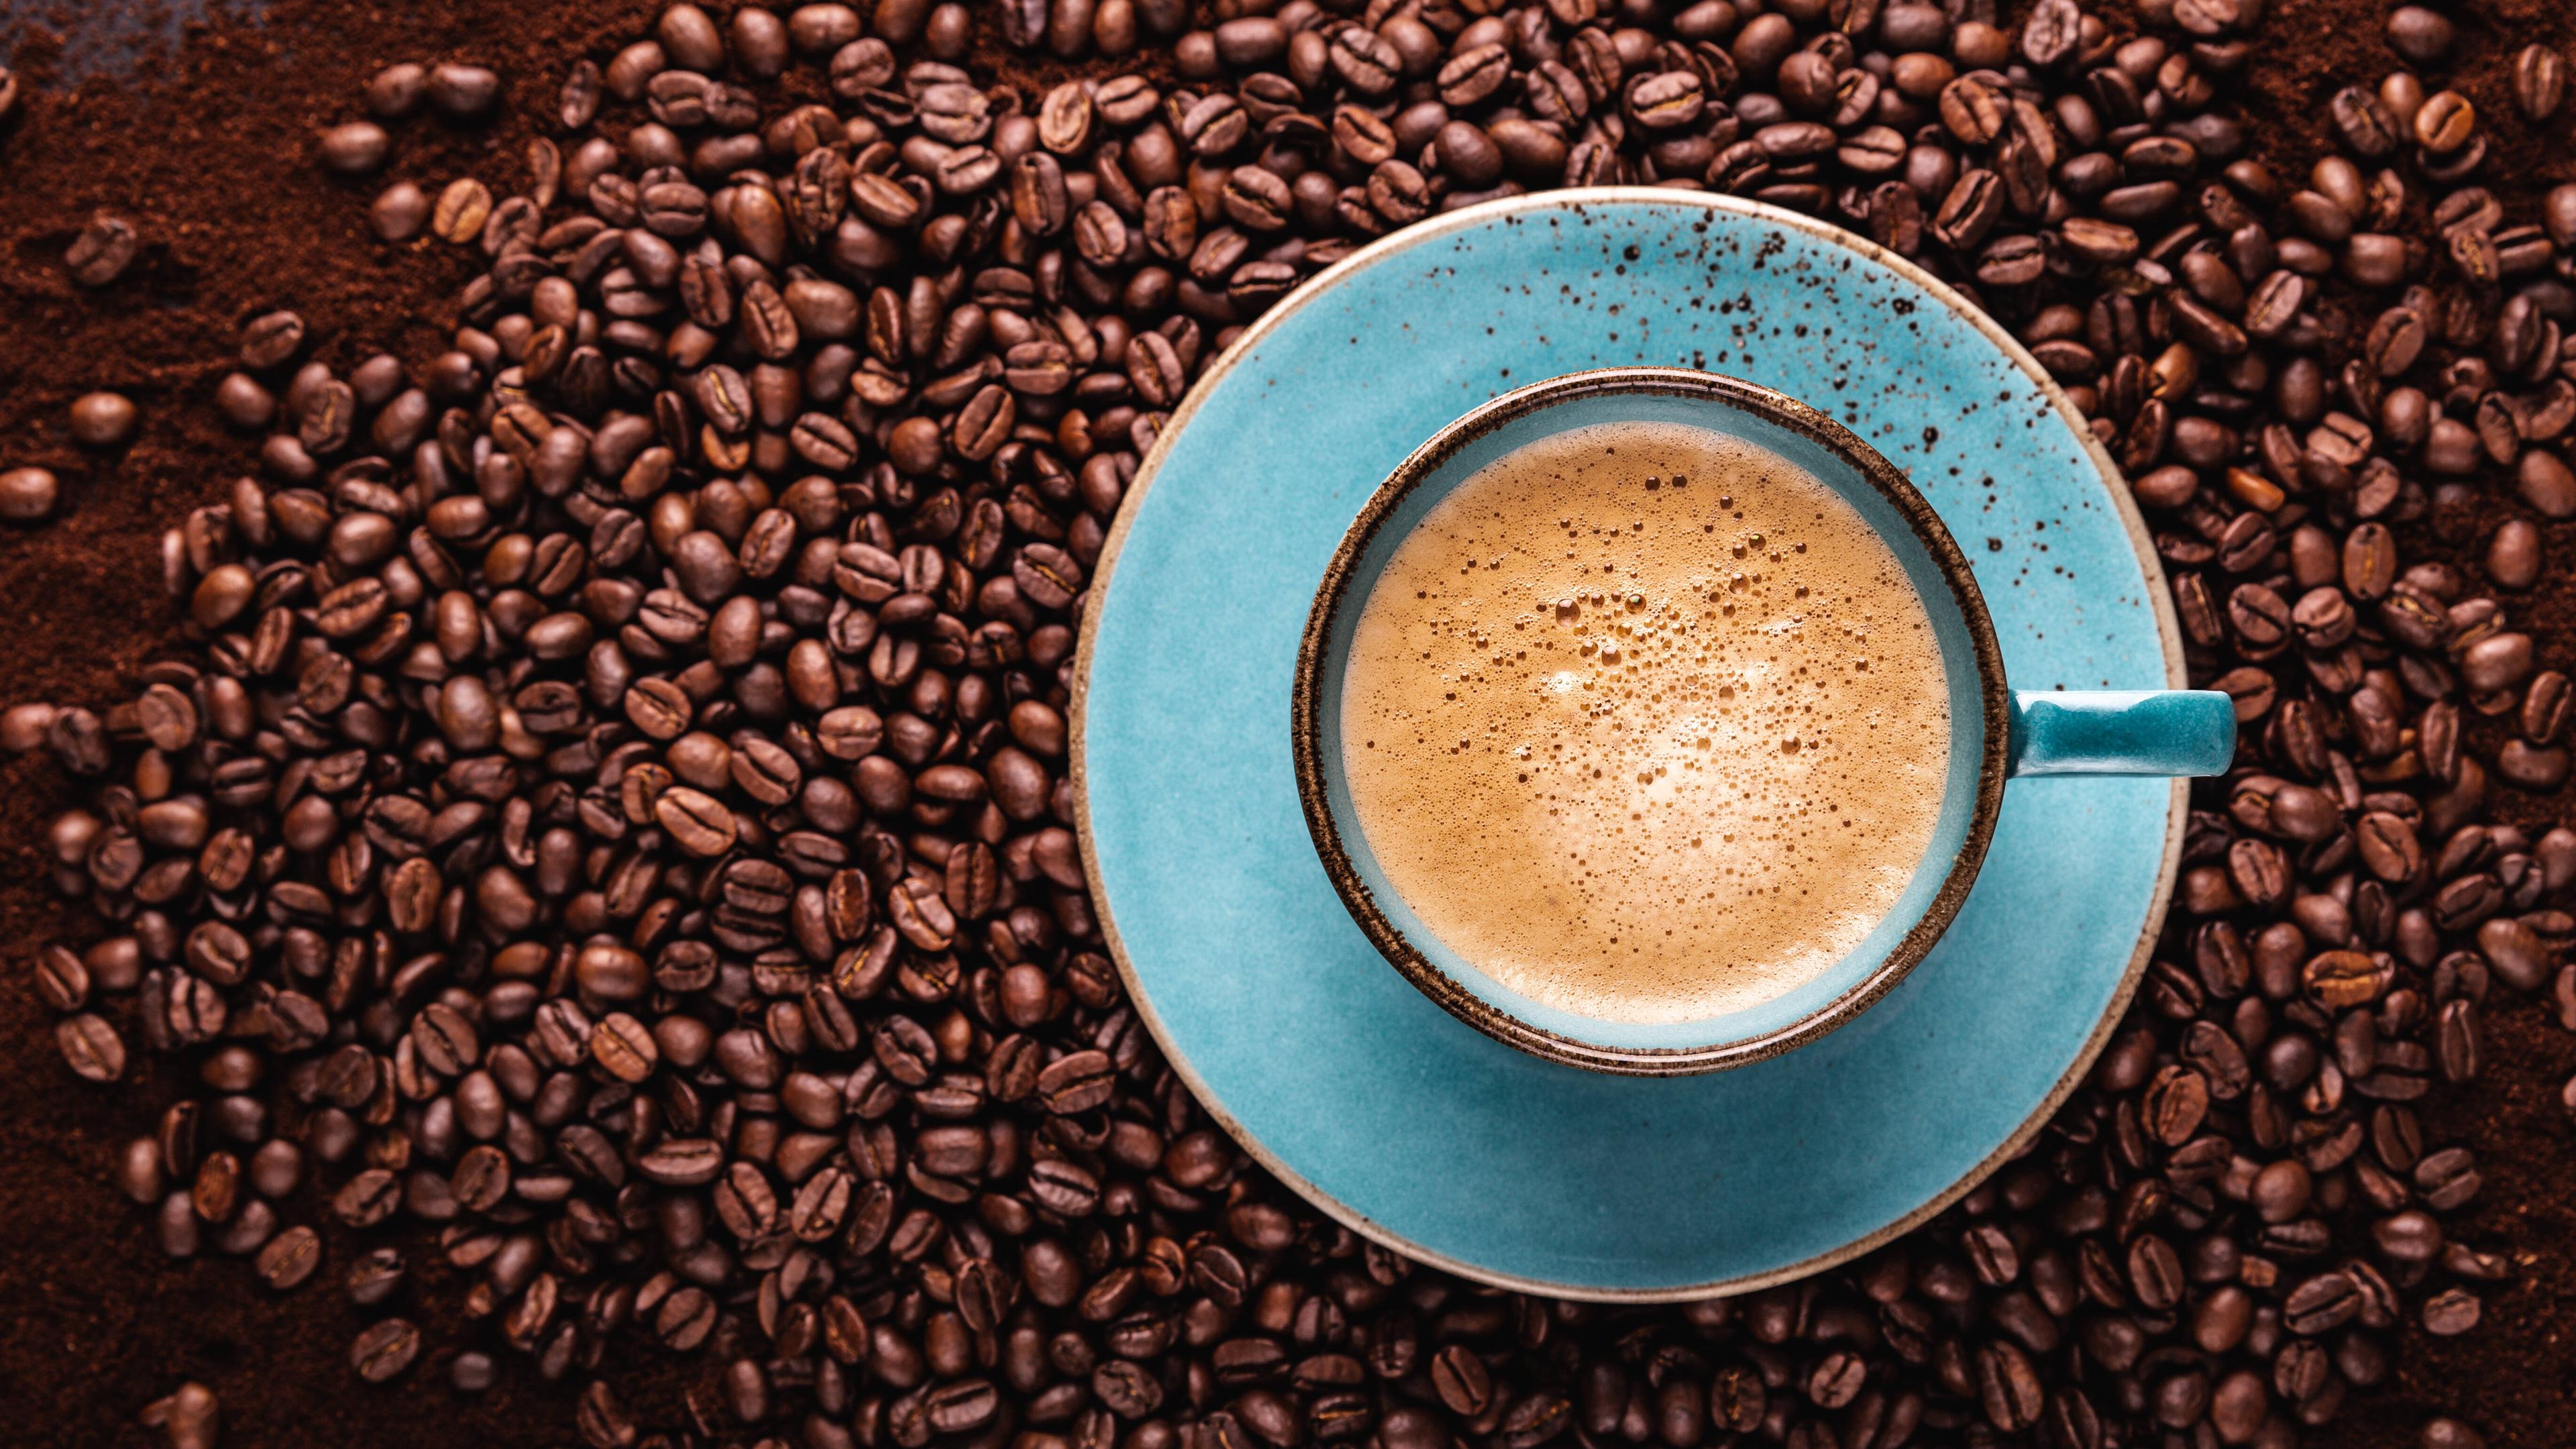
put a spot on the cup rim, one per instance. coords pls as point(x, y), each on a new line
point(1336, 592)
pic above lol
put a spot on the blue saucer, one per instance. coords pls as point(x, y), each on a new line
point(1356, 1090)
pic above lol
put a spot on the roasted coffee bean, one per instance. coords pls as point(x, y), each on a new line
point(375, 1277)
point(91, 1047)
point(102, 251)
point(462, 91)
point(2513, 558)
point(1462, 1381)
point(2545, 706)
point(2419, 34)
point(395, 92)
point(191, 1417)
point(2449, 1433)
point(103, 419)
point(289, 1258)
point(355, 148)
point(461, 210)
point(383, 1350)
point(2446, 123)
point(2451, 1311)
point(28, 495)
point(2539, 81)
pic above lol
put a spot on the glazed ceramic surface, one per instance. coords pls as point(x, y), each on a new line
point(1361, 1093)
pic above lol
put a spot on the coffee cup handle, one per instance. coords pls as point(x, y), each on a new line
point(2163, 732)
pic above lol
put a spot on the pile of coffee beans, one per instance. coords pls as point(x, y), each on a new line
point(615, 838)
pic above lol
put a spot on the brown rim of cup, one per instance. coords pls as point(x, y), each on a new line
point(1305, 721)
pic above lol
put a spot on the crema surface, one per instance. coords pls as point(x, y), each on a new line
point(1647, 722)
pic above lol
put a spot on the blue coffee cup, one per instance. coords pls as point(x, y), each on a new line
point(1997, 733)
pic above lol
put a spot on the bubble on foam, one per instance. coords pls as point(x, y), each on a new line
point(1742, 759)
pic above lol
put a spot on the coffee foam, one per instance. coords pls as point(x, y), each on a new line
point(1646, 722)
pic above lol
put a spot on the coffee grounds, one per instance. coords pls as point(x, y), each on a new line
point(2511, 1377)
point(209, 155)
point(208, 151)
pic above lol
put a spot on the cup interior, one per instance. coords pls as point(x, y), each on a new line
point(1932, 562)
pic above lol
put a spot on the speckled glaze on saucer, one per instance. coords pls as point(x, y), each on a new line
point(1366, 1097)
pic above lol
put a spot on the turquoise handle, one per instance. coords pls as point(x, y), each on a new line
point(2122, 732)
